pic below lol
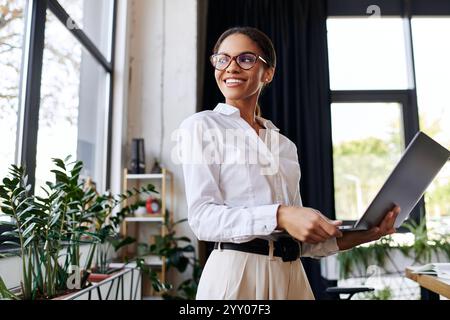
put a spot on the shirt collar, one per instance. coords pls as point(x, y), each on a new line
point(230, 110)
point(227, 109)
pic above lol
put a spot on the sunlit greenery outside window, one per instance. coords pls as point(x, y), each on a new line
point(364, 152)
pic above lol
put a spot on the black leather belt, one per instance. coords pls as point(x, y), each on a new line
point(286, 248)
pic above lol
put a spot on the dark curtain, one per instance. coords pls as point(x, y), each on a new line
point(298, 99)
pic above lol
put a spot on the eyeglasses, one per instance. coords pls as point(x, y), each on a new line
point(246, 60)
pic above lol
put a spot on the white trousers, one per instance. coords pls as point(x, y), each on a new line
point(236, 275)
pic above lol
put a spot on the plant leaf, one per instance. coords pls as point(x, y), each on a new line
point(5, 293)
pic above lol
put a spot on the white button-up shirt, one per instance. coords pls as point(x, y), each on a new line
point(230, 196)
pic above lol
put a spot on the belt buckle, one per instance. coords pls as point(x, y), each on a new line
point(289, 249)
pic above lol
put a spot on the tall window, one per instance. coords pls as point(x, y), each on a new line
point(56, 67)
point(367, 60)
point(12, 28)
point(367, 54)
point(74, 95)
point(389, 78)
point(367, 142)
point(60, 92)
point(432, 63)
point(63, 97)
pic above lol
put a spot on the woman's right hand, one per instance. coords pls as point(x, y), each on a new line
point(307, 224)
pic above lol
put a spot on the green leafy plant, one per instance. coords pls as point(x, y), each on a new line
point(382, 294)
point(152, 276)
point(179, 254)
point(49, 229)
point(427, 245)
point(421, 251)
point(5, 293)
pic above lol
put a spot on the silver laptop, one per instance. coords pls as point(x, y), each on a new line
point(418, 166)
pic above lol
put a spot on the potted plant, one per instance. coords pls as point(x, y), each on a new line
point(177, 256)
point(49, 230)
point(386, 251)
point(141, 209)
point(390, 257)
point(107, 243)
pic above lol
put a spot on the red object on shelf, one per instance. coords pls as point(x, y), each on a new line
point(152, 205)
point(148, 205)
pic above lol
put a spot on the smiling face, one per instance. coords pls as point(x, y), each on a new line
point(235, 83)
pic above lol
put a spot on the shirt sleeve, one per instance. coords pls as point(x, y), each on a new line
point(208, 216)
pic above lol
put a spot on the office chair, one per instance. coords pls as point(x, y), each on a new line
point(335, 292)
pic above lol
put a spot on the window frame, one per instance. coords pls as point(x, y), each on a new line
point(406, 98)
point(30, 84)
point(405, 9)
point(31, 78)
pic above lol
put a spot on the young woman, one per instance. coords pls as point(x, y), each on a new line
point(253, 210)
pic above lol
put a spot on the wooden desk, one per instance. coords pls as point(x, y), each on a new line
point(431, 286)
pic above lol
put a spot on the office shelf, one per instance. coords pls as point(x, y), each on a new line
point(166, 194)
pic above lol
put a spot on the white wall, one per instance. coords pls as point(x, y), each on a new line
point(163, 83)
point(11, 271)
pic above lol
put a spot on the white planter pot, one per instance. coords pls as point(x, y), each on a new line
point(140, 212)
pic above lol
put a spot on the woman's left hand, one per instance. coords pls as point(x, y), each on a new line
point(386, 227)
